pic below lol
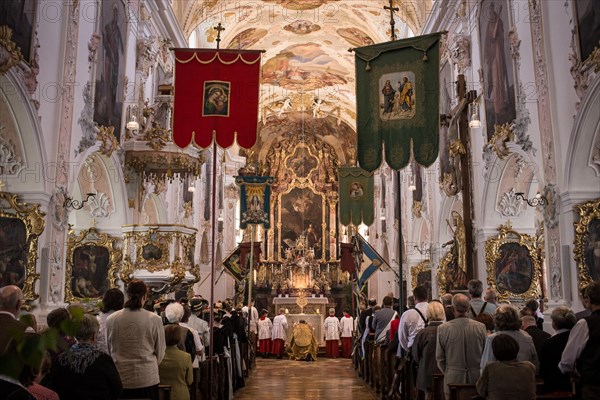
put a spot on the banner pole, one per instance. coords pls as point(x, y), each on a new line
point(214, 255)
point(250, 277)
point(401, 296)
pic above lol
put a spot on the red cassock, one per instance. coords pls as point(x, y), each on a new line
point(346, 347)
point(264, 346)
point(216, 93)
point(278, 347)
point(332, 348)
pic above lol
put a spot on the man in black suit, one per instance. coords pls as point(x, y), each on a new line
point(11, 300)
point(563, 320)
point(366, 313)
point(528, 324)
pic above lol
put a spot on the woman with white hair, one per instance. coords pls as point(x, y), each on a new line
point(190, 342)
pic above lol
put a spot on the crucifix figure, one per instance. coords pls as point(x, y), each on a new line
point(392, 22)
point(219, 28)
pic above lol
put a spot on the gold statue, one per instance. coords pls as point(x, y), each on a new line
point(457, 278)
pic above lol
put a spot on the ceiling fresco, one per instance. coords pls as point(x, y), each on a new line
point(308, 72)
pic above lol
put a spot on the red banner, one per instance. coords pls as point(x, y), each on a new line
point(216, 91)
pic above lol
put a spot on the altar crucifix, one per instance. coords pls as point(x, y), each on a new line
point(392, 21)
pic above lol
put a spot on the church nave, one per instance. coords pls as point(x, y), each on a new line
point(287, 379)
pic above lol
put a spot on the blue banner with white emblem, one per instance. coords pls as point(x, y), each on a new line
point(255, 200)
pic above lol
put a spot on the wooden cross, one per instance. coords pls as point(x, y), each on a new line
point(219, 28)
point(392, 22)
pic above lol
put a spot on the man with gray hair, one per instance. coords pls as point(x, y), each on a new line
point(491, 296)
point(459, 345)
point(11, 300)
point(477, 305)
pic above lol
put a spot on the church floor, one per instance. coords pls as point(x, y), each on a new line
point(291, 380)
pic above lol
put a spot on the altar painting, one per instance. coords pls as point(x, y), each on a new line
point(301, 214)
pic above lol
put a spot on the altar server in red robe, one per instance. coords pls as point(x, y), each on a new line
point(347, 328)
point(265, 327)
point(331, 327)
point(280, 326)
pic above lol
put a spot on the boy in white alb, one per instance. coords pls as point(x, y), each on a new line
point(331, 327)
point(347, 328)
point(265, 327)
point(279, 336)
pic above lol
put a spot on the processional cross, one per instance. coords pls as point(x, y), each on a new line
point(392, 22)
point(219, 28)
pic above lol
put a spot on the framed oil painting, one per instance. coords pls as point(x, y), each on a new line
point(421, 276)
point(302, 162)
point(93, 259)
point(19, 16)
point(152, 250)
point(587, 242)
point(110, 68)
point(497, 63)
point(587, 16)
point(513, 264)
point(301, 213)
point(20, 226)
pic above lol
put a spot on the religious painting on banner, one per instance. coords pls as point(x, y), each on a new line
point(255, 200)
point(110, 71)
point(497, 64)
point(397, 86)
point(237, 264)
point(356, 196)
point(216, 96)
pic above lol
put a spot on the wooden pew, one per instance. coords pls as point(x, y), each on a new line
point(164, 392)
point(462, 391)
point(438, 386)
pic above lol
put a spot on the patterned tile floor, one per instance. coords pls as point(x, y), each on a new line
point(296, 380)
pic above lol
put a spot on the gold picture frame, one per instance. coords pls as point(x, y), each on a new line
point(152, 250)
point(513, 264)
point(15, 217)
point(93, 260)
point(587, 242)
point(419, 276)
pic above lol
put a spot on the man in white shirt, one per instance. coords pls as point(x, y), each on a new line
point(412, 321)
point(198, 306)
point(252, 316)
point(280, 326)
point(581, 355)
point(331, 327)
point(185, 322)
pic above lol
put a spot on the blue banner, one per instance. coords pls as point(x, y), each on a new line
point(255, 200)
point(371, 262)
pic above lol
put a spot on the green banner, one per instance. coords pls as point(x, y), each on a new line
point(397, 100)
point(356, 196)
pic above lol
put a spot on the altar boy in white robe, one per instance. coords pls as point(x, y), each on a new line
point(332, 329)
point(347, 328)
point(265, 327)
point(280, 326)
